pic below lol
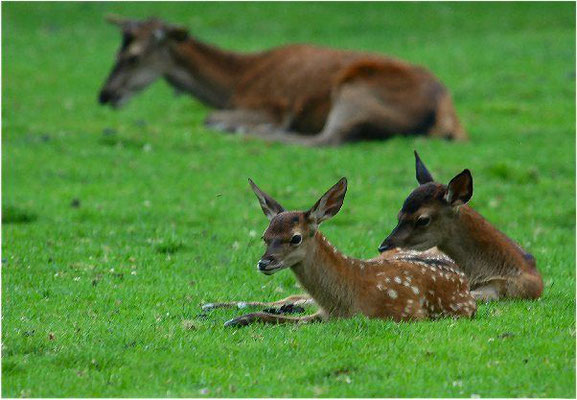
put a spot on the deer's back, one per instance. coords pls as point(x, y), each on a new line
point(300, 79)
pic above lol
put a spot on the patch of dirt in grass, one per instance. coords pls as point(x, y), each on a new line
point(16, 215)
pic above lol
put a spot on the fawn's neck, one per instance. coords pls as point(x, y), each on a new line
point(483, 251)
point(206, 72)
point(328, 277)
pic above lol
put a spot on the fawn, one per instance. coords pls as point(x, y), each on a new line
point(300, 94)
point(405, 286)
point(437, 215)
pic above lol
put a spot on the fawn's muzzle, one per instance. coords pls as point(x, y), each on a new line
point(384, 247)
point(104, 97)
point(262, 264)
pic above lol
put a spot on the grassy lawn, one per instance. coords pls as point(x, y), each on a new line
point(117, 225)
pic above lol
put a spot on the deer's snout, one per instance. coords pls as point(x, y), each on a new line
point(391, 241)
point(104, 97)
point(385, 246)
point(263, 263)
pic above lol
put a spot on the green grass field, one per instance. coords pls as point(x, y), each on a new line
point(117, 225)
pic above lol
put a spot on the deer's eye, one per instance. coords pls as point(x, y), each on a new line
point(423, 221)
point(296, 239)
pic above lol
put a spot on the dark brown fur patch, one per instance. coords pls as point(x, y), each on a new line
point(282, 224)
point(428, 193)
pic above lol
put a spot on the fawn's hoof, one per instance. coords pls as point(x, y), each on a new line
point(238, 322)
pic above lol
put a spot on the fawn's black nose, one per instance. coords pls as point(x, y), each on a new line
point(262, 264)
point(384, 247)
point(104, 97)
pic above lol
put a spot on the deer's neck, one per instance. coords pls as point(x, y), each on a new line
point(483, 251)
point(204, 71)
point(328, 277)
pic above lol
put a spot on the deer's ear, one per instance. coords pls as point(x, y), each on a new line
point(329, 204)
point(269, 206)
point(177, 33)
point(117, 20)
point(460, 189)
point(423, 175)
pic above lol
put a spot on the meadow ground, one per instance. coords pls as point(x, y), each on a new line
point(117, 225)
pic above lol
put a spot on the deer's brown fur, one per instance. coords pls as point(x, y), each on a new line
point(299, 94)
point(437, 215)
point(401, 286)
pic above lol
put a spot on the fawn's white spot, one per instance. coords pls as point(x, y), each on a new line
point(415, 289)
point(397, 279)
point(387, 280)
point(392, 294)
point(406, 283)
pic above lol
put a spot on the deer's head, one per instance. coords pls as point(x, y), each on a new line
point(428, 213)
point(290, 233)
point(141, 59)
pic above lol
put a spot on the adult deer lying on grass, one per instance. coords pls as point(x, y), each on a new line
point(403, 287)
point(294, 94)
point(437, 215)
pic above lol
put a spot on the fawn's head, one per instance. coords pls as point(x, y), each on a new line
point(427, 214)
point(290, 233)
point(141, 59)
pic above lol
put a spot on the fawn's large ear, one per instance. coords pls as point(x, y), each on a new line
point(460, 189)
point(330, 204)
point(117, 20)
point(423, 175)
point(269, 206)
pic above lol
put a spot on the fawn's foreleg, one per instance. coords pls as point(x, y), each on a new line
point(297, 300)
point(274, 319)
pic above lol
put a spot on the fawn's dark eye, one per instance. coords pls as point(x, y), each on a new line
point(296, 239)
point(423, 221)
